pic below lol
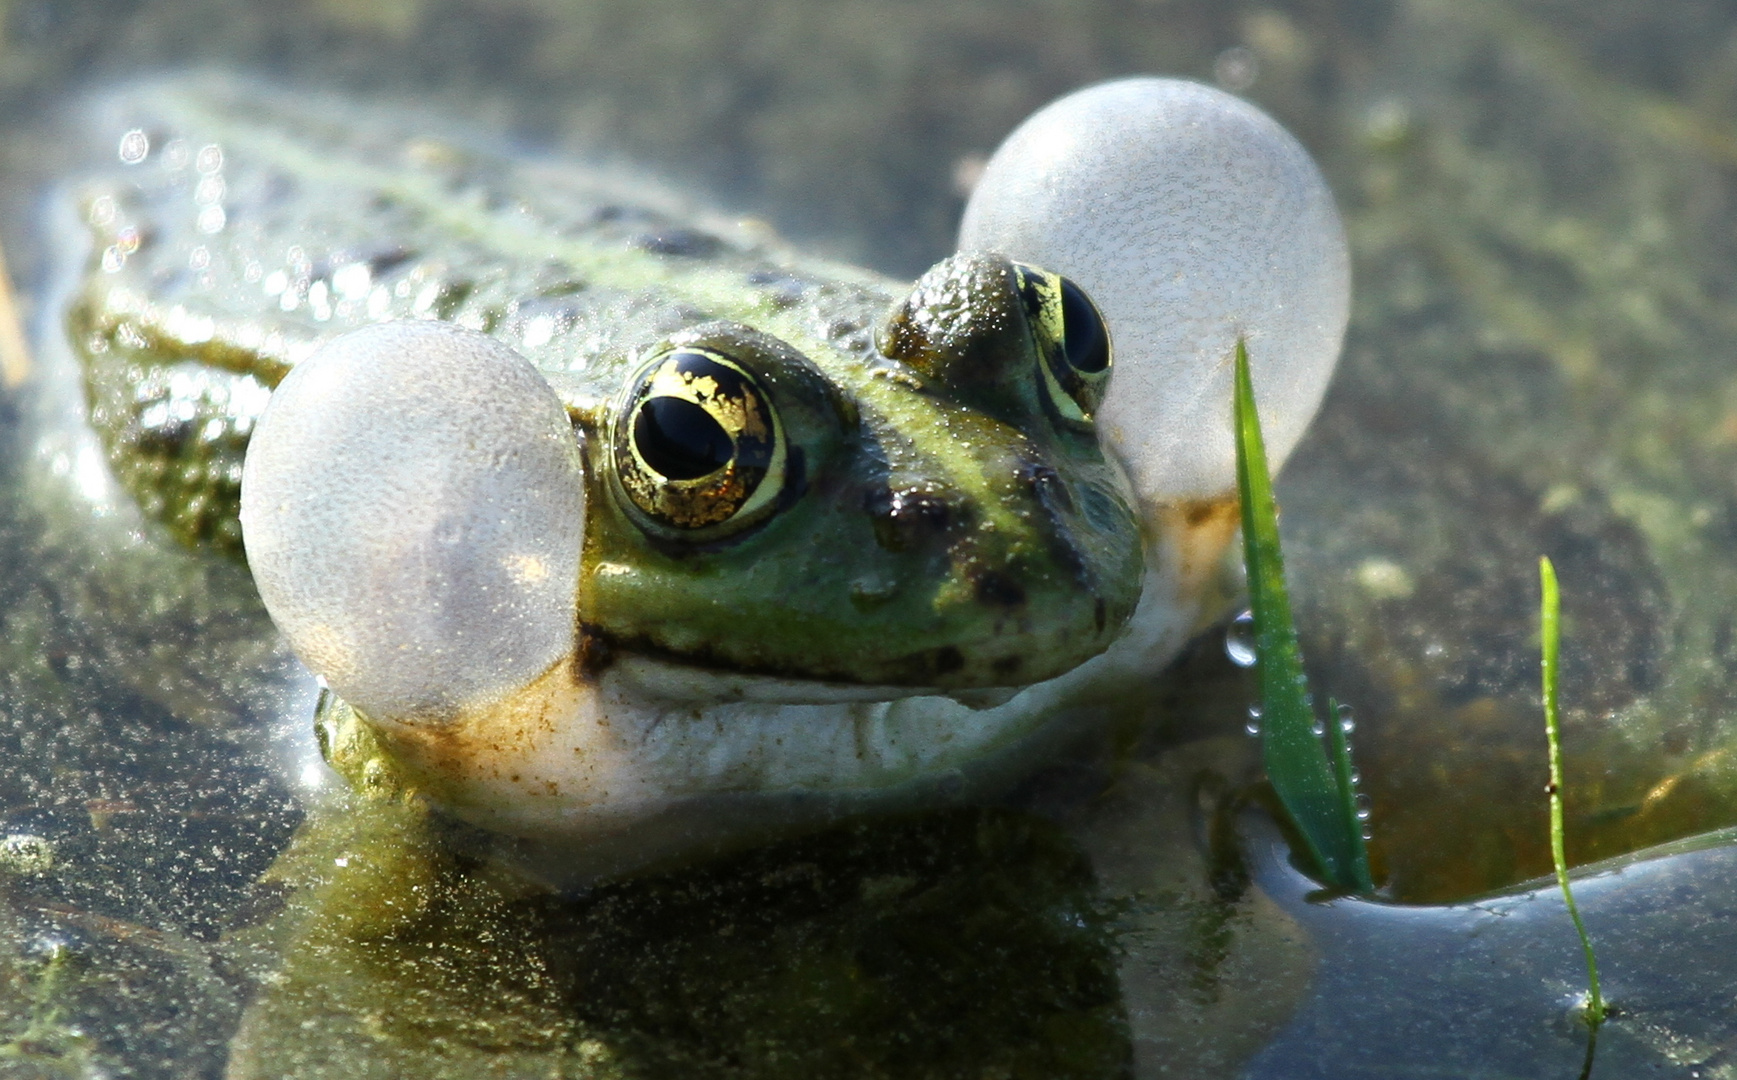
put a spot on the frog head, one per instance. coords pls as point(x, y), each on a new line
point(935, 514)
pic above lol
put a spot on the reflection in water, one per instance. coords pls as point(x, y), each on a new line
point(1494, 987)
point(962, 944)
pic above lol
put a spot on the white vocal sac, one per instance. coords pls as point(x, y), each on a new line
point(1192, 219)
point(412, 507)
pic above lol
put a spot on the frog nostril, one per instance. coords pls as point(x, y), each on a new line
point(1046, 486)
point(905, 520)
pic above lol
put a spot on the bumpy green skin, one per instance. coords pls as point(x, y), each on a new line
point(940, 529)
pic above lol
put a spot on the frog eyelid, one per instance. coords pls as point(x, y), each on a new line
point(1074, 372)
point(700, 450)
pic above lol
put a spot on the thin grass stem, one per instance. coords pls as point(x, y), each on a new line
point(1550, 620)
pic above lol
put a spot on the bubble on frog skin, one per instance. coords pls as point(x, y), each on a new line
point(1239, 640)
point(1191, 218)
point(412, 509)
point(135, 146)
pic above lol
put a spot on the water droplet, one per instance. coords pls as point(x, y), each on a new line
point(1239, 640)
point(1347, 719)
point(135, 146)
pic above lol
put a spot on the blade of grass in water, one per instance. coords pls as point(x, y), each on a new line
point(1317, 793)
point(1550, 625)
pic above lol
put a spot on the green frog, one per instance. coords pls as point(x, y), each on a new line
point(620, 527)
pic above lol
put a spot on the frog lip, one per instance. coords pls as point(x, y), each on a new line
point(676, 681)
point(945, 669)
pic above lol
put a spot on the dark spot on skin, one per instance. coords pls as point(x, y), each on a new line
point(780, 289)
point(907, 519)
point(684, 243)
point(947, 660)
point(563, 286)
point(1008, 665)
point(593, 653)
point(999, 590)
point(1099, 616)
point(391, 259)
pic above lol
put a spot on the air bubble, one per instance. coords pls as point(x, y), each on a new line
point(1347, 719)
point(1363, 808)
point(1318, 728)
point(135, 147)
point(1253, 727)
point(1239, 640)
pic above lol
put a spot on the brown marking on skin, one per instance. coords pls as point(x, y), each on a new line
point(1200, 531)
point(1203, 511)
point(592, 654)
point(490, 744)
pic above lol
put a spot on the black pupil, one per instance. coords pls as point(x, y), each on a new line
point(1084, 339)
point(681, 440)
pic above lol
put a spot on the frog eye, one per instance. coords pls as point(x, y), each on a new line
point(699, 448)
point(1073, 343)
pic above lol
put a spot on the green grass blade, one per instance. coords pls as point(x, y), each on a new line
point(1296, 761)
point(1550, 628)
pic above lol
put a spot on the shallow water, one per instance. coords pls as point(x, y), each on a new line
point(1540, 200)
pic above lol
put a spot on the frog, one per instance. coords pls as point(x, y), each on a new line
point(627, 532)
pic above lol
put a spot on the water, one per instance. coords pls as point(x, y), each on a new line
point(1539, 198)
point(1239, 640)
